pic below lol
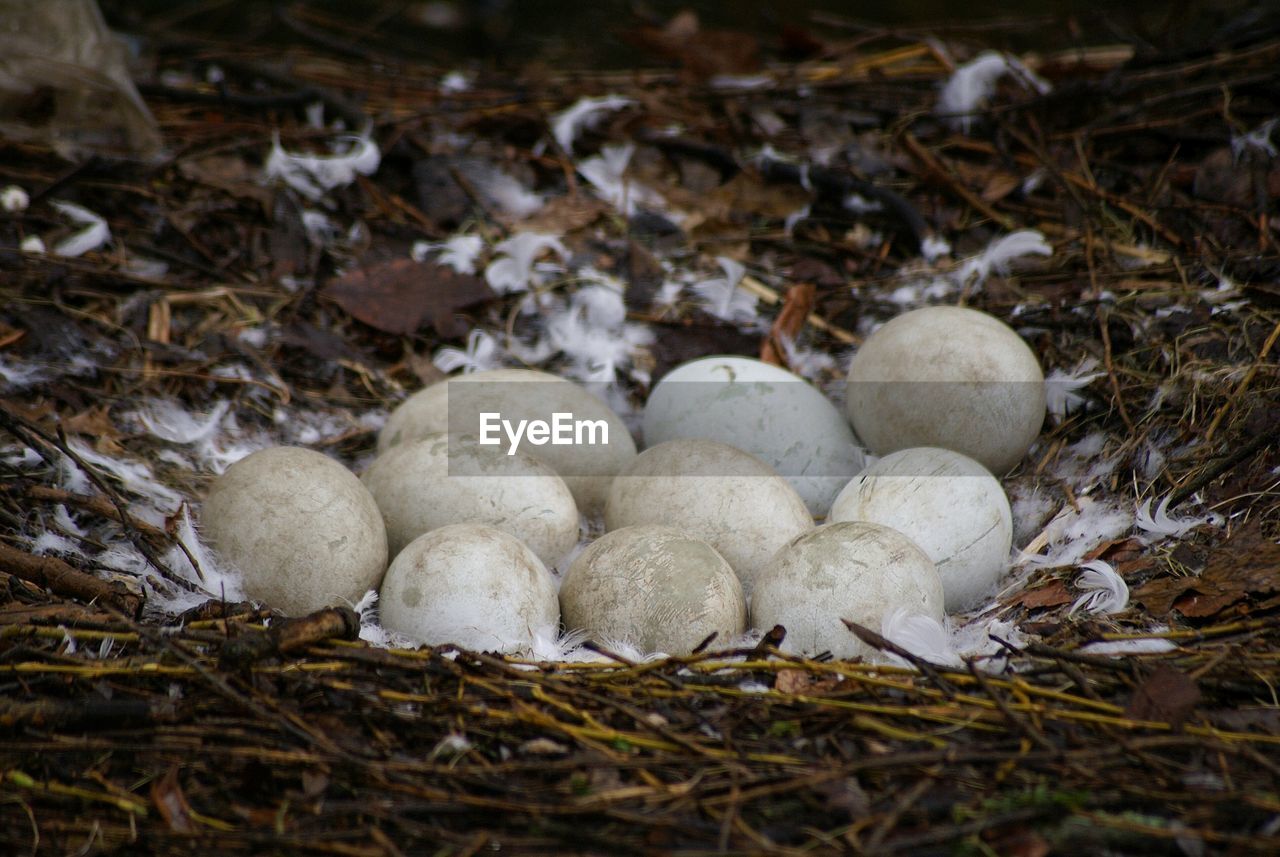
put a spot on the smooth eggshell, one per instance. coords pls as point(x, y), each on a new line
point(949, 377)
point(299, 526)
point(945, 502)
point(424, 484)
point(655, 588)
point(586, 469)
point(851, 570)
point(471, 585)
point(761, 409)
point(712, 491)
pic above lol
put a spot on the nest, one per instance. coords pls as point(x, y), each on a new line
point(1115, 206)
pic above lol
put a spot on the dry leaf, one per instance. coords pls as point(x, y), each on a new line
point(1167, 695)
point(401, 295)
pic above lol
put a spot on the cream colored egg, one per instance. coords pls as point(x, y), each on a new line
point(654, 587)
point(424, 484)
point(301, 529)
point(587, 465)
point(764, 410)
point(470, 585)
point(712, 491)
point(949, 505)
point(949, 377)
point(851, 570)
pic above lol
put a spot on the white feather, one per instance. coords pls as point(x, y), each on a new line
point(14, 199)
point(315, 175)
point(483, 352)
point(1104, 589)
point(606, 173)
point(1000, 253)
point(94, 235)
point(584, 113)
point(1060, 388)
point(722, 297)
point(512, 268)
point(974, 82)
point(1258, 140)
point(1161, 525)
point(920, 635)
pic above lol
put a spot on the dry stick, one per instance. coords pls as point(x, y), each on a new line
point(934, 165)
point(1244, 383)
point(1211, 473)
point(875, 641)
point(63, 579)
point(1111, 372)
point(28, 433)
point(97, 505)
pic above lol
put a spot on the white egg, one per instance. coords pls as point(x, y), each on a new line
point(761, 409)
point(850, 570)
point(424, 484)
point(301, 529)
point(471, 585)
point(654, 587)
point(949, 377)
point(712, 491)
point(945, 502)
point(455, 406)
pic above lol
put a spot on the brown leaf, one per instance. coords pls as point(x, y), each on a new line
point(795, 310)
point(1247, 564)
point(702, 53)
point(400, 295)
point(94, 422)
point(1167, 695)
point(1052, 594)
point(167, 795)
point(999, 185)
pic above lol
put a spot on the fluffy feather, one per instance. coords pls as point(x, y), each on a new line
point(1000, 253)
point(974, 82)
point(1161, 525)
point(1060, 387)
point(722, 297)
point(1104, 589)
point(315, 175)
point(512, 267)
point(483, 352)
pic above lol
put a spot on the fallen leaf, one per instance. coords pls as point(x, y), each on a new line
point(1245, 565)
point(167, 795)
point(1052, 594)
point(1168, 695)
point(796, 307)
point(93, 422)
point(701, 53)
point(400, 295)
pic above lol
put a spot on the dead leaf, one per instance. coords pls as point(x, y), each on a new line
point(999, 185)
point(314, 782)
point(1247, 564)
point(93, 422)
point(400, 295)
point(565, 214)
point(796, 307)
point(1168, 695)
point(701, 53)
point(167, 795)
point(1052, 594)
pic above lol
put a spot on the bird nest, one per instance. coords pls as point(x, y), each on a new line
point(1114, 204)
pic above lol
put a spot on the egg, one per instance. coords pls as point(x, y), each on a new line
point(301, 529)
point(421, 485)
point(851, 570)
point(945, 502)
point(949, 377)
point(455, 405)
point(471, 585)
point(654, 587)
point(712, 491)
point(761, 409)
